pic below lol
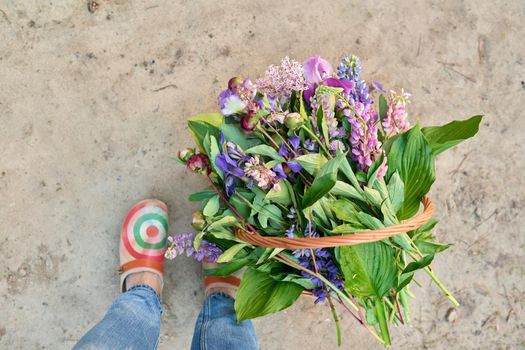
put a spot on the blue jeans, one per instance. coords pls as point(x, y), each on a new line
point(133, 322)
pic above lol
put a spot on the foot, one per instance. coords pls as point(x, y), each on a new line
point(216, 284)
point(143, 244)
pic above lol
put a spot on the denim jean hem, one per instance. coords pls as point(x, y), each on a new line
point(149, 289)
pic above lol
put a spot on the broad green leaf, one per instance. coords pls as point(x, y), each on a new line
point(265, 150)
point(312, 163)
point(411, 156)
point(215, 119)
point(370, 221)
point(212, 207)
point(199, 130)
point(348, 228)
point(282, 196)
point(229, 268)
point(323, 182)
point(368, 268)
point(408, 271)
point(396, 190)
point(446, 136)
point(345, 210)
point(214, 151)
point(383, 107)
point(230, 253)
point(259, 294)
point(225, 221)
point(345, 190)
point(234, 134)
point(350, 175)
point(199, 196)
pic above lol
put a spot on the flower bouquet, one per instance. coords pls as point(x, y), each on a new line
point(315, 180)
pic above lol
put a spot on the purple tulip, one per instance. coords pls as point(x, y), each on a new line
point(317, 69)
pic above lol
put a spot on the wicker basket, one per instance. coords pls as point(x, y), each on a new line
point(343, 240)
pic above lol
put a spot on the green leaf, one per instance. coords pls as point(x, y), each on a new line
point(408, 272)
point(368, 268)
point(345, 190)
point(323, 182)
point(381, 318)
point(229, 268)
point(383, 107)
point(199, 130)
point(230, 253)
point(233, 133)
point(396, 190)
point(215, 119)
point(411, 156)
point(282, 196)
point(199, 196)
point(265, 150)
point(345, 210)
point(259, 294)
point(225, 221)
point(212, 207)
point(370, 221)
point(446, 136)
point(214, 151)
point(312, 163)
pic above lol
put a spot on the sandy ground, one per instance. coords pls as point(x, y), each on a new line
point(93, 105)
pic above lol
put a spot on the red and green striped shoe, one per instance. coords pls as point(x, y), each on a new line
point(143, 240)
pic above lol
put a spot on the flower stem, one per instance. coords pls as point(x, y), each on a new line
point(336, 319)
point(314, 136)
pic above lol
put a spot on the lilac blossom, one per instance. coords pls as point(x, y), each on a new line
point(280, 81)
point(396, 121)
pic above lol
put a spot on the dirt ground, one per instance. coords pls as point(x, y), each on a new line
point(94, 104)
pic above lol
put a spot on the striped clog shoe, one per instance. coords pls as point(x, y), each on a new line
point(143, 239)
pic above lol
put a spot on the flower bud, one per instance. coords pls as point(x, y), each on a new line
point(293, 120)
point(199, 163)
point(234, 82)
point(186, 154)
point(197, 220)
point(249, 121)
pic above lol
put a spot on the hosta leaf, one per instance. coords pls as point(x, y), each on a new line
point(323, 182)
point(411, 156)
point(312, 163)
point(368, 268)
point(446, 136)
point(212, 207)
point(259, 294)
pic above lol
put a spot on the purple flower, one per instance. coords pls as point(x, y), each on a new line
point(378, 86)
point(231, 161)
point(317, 69)
point(184, 244)
point(346, 85)
point(365, 145)
point(289, 153)
point(350, 69)
point(238, 98)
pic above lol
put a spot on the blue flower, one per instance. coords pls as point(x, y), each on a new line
point(289, 155)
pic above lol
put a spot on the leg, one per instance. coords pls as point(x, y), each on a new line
point(217, 328)
point(132, 322)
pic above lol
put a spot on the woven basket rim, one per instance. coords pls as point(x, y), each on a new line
point(342, 240)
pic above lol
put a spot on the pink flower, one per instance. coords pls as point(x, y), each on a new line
point(257, 171)
point(317, 69)
point(396, 121)
point(280, 81)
